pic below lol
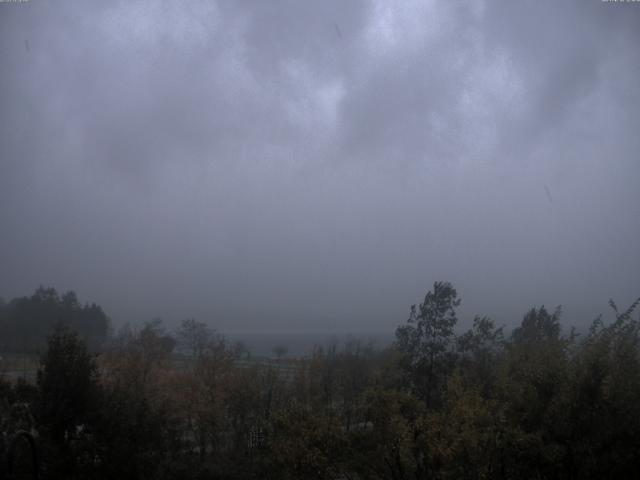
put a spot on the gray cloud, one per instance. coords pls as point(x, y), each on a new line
point(295, 166)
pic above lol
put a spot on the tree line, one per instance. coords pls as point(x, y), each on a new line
point(535, 403)
point(25, 322)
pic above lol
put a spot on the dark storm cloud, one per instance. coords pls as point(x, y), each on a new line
point(318, 166)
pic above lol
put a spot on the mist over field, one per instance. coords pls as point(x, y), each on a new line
point(307, 167)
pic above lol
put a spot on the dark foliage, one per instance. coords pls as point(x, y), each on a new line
point(25, 322)
point(537, 404)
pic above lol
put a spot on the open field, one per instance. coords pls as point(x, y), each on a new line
point(18, 365)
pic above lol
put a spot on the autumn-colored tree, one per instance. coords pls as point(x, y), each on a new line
point(194, 336)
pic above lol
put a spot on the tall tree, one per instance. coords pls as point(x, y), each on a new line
point(427, 338)
point(68, 392)
point(194, 336)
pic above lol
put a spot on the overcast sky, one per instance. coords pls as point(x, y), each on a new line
point(318, 165)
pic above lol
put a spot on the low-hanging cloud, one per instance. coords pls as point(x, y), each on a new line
point(295, 166)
